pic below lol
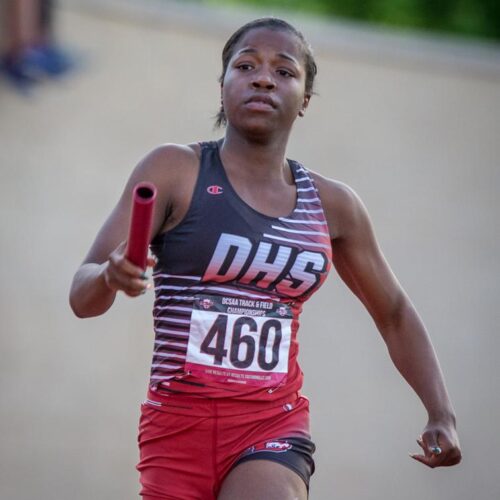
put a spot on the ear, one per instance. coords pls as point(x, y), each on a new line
point(305, 103)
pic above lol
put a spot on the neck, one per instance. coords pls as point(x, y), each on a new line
point(260, 159)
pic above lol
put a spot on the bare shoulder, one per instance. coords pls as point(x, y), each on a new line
point(342, 206)
point(172, 168)
point(168, 162)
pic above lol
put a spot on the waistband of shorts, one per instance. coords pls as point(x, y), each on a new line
point(215, 407)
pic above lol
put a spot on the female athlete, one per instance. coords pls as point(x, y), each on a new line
point(242, 237)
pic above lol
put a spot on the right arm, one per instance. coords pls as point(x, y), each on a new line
point(105, 270)
point(362, 266)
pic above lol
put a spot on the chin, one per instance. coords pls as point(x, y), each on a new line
point(258, 128)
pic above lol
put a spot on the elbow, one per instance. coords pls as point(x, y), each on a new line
point(86, 298)
point(75, 307)
point(76, 302)
point(393, 317)
point(80, 312)
point(83, 307)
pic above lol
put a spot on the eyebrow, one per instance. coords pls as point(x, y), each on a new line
point(280, 54)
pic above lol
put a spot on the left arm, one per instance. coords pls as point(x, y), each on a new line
point(361, 265)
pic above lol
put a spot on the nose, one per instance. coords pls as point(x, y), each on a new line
point(263, 80)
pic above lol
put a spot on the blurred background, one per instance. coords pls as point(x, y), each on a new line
point(407, 113)
point(476, 18)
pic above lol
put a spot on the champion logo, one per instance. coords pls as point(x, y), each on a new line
point(214, 189)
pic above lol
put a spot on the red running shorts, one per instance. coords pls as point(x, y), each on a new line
point(188, 445)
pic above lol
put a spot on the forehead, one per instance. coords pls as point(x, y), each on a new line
point(272, 40)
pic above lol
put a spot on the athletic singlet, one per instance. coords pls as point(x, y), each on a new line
point(229, 287)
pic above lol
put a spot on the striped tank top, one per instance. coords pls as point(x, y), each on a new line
point(229, 287)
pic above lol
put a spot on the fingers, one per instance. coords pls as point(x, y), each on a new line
point(430, 453)
point(430, 441)
point(432, 459)
point(441, 460)
point(440, 449)
point(121, 274)
point(130, 282)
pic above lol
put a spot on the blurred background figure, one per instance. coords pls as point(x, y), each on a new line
point(30, 49)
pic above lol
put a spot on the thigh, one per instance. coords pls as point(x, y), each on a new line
point(258, 479)
point(270, 453)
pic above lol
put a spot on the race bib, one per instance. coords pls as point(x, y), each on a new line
point(239, 340)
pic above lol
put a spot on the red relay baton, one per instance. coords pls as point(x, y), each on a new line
point(141, 222)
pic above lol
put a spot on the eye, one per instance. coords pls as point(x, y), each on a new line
point(244, 66)
point(285, 73)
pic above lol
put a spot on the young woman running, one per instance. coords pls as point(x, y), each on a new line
point(243, 237)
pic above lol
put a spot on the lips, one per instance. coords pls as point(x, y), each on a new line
point(261, 101)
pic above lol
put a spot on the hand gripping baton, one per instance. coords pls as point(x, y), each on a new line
point(141, 221)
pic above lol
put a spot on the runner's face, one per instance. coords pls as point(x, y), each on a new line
point(264, 85)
